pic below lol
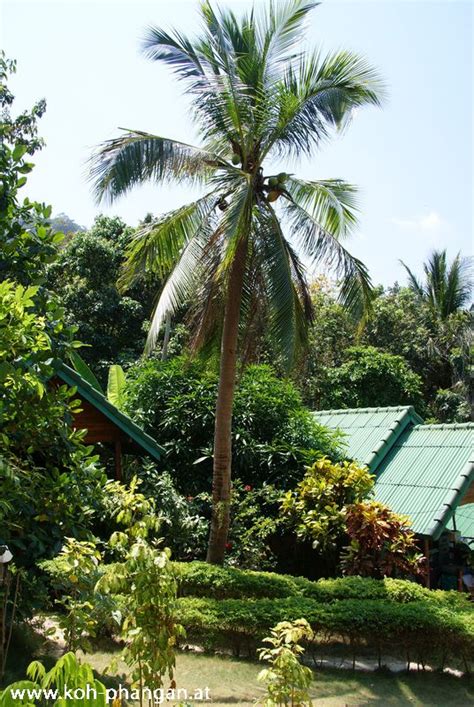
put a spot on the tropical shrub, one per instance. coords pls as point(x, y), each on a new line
point(316, 508)
point(420, 630)
point(274, 435)
point(84, 275)
point(200, 579)
point(371, 378)
point(50, 480)
point(184, 520)
point(255, 528)
point(382, 543)
point(144, 575)
point(73, 681)
point(286, 680)
point(74, 574)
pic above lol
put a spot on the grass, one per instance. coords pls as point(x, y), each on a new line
point(234, 682)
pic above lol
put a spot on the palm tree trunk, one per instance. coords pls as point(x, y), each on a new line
point(221, 480)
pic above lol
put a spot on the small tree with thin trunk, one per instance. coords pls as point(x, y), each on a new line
point(235, 251)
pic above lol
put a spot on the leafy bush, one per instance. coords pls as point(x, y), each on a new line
point(183, 526)
point(51, 482)
point(382, 543)
point(420, 629)
point(316, 508)
point(369, 377)
point(84, 275)
point(274, 435)
point(74, 574)
point(286, 679)
point(200, 579)
point(67, 673)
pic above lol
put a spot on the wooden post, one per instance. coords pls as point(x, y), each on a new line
point(427, 555)
point(118, 459)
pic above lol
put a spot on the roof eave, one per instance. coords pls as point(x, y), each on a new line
point(122, 421)
point(446, 512)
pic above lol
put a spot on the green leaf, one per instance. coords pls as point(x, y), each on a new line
point(84, 371)
point(18, 152)
point(116, 386)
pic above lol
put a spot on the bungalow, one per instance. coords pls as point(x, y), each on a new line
point(104, 423)
point(425, 472)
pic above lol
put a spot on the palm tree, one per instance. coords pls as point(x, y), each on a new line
point(447, 288)
point(237, 248)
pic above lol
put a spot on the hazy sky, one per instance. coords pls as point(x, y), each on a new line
point(412, 160)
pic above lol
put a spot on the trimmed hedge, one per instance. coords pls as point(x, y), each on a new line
point(199, 579)
point(419, 630)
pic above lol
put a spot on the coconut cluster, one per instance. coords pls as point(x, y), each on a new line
point(276, 185)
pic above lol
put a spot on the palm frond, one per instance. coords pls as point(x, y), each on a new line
point(156, 247)
point(183, 280)
point(459, 285)
point(319, 94)
point(413, 282)
point(448, 287)
point(136, 157)
point(332, 203)
point(176, 50)
point(280, 30)
point(283, 278)
point(236, 223)
point(323, 247)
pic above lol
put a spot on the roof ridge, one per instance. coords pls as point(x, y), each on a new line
point(445, 426)
point(340, 411)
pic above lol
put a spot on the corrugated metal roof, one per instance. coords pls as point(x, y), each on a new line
point(423, 471)
point(369, 432)
point(426, 473)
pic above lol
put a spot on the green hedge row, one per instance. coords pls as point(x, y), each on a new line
point(199, 579)
point(419, 630)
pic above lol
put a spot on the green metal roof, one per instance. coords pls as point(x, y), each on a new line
point(369, 432)
point(426, 473)
point(99, 401)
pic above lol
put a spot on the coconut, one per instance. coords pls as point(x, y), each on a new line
point(282, 177)
point(235, 158)
point(273, 195)
point(273, 182)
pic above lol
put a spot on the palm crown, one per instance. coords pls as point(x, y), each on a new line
point(255, 98)
point(447, 287)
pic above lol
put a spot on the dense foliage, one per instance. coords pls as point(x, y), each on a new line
point(69, 675)
point(368, 377)
point(50, 480)
point(198, 579)
point(286, 680)
point(227, 608)
point(85, 273)
point(421, 629)
point(317, 507)
point(382, 543)
point(274, 435)
point(404, 354)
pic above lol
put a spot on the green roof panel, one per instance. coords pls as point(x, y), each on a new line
point(369, 432)
point(426, 473)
